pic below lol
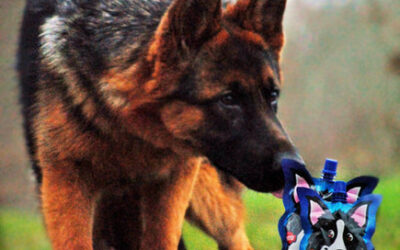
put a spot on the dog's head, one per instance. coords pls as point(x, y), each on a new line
point(212, 77)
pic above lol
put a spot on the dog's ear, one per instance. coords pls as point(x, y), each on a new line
point(360, 186)
point(296, 175)
point(359, 214)
point(186, 25)
point(300, 182)
point(364, 211)
point(316, 211)
point(263, 17)
point(312, 207)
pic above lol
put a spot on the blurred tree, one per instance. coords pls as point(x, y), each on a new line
point(341, 101)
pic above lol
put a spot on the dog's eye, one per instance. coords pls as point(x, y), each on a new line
point(229, 99)
point(274, 100)
point(331, 234)
point(274, 96)
point(349, 237)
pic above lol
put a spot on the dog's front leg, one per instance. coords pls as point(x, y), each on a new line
point(164, 204)
point(216, 207)
point(67, 208)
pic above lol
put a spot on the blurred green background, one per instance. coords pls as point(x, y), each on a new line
point(341, 99)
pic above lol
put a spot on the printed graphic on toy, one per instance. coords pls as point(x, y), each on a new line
point(339, 218)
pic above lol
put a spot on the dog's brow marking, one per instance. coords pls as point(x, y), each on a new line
point(252, 37)
point(267, 73)
point(269, 78)
point(274, 67)
point(220, 38)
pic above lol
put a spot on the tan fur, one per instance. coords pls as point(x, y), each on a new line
point(217, 208)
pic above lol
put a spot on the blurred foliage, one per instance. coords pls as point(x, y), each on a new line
point(15, 185)
point(341, 97)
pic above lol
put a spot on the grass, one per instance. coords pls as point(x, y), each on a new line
point(22, 230)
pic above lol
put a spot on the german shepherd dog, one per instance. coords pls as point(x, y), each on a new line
point(140, 112)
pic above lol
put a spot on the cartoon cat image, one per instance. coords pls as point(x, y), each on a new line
point(297, 176)
point(330, 226)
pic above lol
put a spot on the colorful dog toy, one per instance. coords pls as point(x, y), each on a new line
point(322, 213)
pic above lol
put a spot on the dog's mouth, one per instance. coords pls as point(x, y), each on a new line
point(278, 194)
point(270, 181)
point(279, 180)
point(265, 175)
